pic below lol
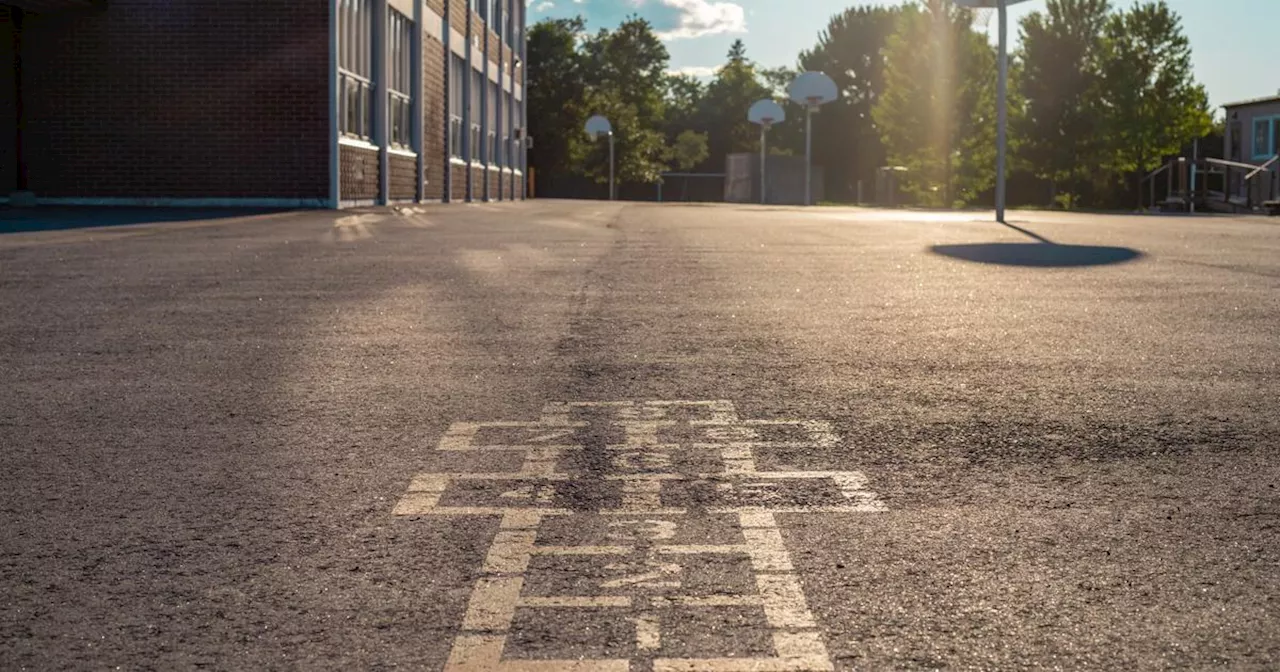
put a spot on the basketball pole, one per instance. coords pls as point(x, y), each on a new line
point(808, 156)
point(764, 134)
point(1002, 134)
point(612, 191)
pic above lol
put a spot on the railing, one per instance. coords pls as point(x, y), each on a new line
point(1252, 185)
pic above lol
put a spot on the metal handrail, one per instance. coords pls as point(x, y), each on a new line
point(1263, 167)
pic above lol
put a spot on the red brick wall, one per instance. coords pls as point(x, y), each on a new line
point(435, 118)
point(459, 191)
point(359, 167)
point(404, 176)
point(180, 98)
point(458, 15)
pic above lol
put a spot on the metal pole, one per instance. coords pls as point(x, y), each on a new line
point(808, 156)
point(764, 134)
point(1002, 138)
point(612, 191)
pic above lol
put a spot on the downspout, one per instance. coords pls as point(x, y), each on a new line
point(498, 156)
point(524, 100)
point(419, 130)
point(485, 149)
point(467, 149)
point(335, 174)
point(446, 30)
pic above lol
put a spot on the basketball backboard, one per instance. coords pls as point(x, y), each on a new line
point(812, 89)
point(766, 113)
point(598, 126)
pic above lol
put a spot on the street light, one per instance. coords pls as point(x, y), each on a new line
point(1002, 103)
point(596, 127)
point(812, 90)
point(766, 113)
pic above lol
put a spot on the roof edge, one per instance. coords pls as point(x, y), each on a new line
point(1255, 101)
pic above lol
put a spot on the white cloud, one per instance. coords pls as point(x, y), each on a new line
point(704, 17)
point(696, 70)
point(543, 6)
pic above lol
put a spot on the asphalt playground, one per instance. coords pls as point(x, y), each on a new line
point(560, 435)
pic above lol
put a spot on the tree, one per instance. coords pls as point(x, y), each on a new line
point(851, 52)
point(556, 92)
point(1153, 104)
point(1061, 130)
point(725, 105)
point(936, 114)
point(683, 100)
point(689, 150)
point(625, 76)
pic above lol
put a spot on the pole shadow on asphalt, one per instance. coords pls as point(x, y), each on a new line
point(1043, 253)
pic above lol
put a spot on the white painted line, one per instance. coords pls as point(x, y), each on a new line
point(493, 603)
point(416, 503)
point(742, 665)
point(582, 550)
point(509, 553)
point(574, 602)
point(522, 519)
point(483, 653)
point(768, 553)
point(648, 632)
point(703, 549)
point(481, 511)
point(784, 604)
point(639, 524)
point(641, 495)
point(708, 601)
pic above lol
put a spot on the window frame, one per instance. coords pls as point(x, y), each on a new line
point(457, 71)
point(355, 69)
point(400, 29)
point(1269, 138)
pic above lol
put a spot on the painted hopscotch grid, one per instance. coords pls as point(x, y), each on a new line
point(642, 573)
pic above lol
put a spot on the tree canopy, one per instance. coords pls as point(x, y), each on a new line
point(1097, 95)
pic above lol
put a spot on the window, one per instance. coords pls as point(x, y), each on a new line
point(493, 150)
point(399, 96)
point(355, 68)
point(457, 73)
point(477, 91)
point(1262, 138)
point(495, 23)
point(509, 25)
point(511, 136)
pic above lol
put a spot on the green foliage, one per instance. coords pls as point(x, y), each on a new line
point(1096, 96)
point(1061, 56)
point(723, 110)
point(936, 114)
point(1153, 104)
point(625, 79)
point(556, 92)
point(851, 52)
point(689, 150)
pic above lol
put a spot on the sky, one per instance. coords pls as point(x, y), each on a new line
point(1233, 41)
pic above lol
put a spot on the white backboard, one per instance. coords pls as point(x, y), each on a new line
point(813, 88)
point(598, 126)
point(766, 113)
